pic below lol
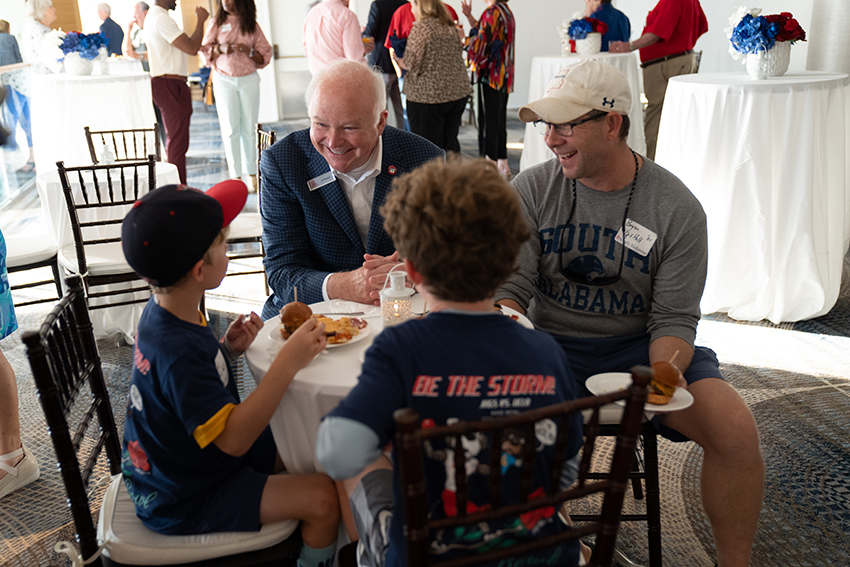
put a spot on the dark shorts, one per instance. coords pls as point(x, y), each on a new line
point(234, 505)
point(589, 356)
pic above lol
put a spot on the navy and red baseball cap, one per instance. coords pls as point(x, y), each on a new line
point(168, 230)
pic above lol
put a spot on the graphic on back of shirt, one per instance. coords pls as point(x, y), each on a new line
point(486, 536)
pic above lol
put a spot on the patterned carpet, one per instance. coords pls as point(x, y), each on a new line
point(794, 377)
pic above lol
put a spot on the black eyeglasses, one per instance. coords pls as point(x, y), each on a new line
point(591, 269)
point(565, 129)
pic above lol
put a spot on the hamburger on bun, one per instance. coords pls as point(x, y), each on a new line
point(665, 378)
point(292, 316)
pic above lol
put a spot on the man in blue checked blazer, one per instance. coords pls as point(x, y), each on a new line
point(322, 189)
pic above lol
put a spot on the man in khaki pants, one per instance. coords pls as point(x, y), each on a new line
point(666, 50)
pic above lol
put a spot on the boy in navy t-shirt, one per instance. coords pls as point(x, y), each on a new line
point(195, 459)
point(458, 227)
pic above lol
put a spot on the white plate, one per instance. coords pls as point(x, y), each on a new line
point(275, 336)
point(607, 382)
point(521, 319)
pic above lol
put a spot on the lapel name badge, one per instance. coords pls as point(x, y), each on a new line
point(320, 181)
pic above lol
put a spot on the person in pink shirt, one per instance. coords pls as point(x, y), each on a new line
point(331, 32)
point(235, 47)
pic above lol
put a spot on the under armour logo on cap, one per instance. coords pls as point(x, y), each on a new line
point(606, 102)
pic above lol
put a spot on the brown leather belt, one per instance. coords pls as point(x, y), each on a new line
point(665, 58)
point(177, 77)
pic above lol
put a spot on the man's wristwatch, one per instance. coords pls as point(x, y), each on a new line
point(631, 46)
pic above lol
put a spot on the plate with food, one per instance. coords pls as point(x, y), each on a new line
point(607, 382)
point(338, 330)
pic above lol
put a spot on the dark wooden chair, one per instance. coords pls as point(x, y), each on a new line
point(246, 231)
point(67, 371)
point(97, 203)
point(410, 439)
point(644, 470)
point(126, 145)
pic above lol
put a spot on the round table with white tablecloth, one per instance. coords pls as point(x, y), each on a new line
point(63, 105)
point(319, 387)
point(544, 68)
point(768, 161)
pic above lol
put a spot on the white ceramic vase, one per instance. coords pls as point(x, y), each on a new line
point(589, 45)
point(77, 65)
point(770, 63)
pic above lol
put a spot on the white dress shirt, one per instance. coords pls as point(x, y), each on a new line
point(359, 188)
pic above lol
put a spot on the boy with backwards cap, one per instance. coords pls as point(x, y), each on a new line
point(195, 459)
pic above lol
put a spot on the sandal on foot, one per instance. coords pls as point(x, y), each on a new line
point(25, 472)
point(29, 167)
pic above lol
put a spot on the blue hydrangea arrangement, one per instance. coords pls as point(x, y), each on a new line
point(579, 28)
point(86, 45)
point(754, 34)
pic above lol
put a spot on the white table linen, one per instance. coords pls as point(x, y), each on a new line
point(320, 386)
point(105, 321)
point(544, 68)
point(767, 160)
point(62, 105)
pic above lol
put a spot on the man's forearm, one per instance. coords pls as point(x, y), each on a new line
point(671, 349)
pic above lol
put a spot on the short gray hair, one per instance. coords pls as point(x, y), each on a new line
point(104, 7)
point(348, 72)
point(37, 8)
point(143, 5)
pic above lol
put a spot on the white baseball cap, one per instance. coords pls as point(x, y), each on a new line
point(578, 89)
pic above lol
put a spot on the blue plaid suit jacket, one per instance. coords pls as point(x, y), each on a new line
point(309, 234)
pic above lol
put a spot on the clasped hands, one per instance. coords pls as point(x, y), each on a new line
point(363, 284)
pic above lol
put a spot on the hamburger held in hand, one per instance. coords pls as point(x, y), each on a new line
point(293, 315)
point(665, 378)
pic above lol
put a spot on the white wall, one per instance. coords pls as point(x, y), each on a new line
point(537, 21)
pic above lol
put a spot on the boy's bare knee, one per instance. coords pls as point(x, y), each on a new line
point(325, 500)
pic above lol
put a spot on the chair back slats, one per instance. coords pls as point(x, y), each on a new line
point(63, 356)
point(96, 208)
point(410, 439)
point(131, 144)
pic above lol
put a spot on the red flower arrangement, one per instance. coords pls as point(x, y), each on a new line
point(788, 28)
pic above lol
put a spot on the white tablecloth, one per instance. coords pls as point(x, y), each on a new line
point(544, 68)
point(768, 161)
point(62, 105)
point(317, 388)
point(105, 321)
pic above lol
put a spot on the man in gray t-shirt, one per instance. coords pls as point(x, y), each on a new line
point(611, 306)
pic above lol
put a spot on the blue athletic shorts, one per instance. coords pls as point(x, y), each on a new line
point(589, 356)
point(234, 505)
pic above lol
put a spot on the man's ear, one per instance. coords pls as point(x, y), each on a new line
point(613, 122)
point(412, 274)
point(382, 122)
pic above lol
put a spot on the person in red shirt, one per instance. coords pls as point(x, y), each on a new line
point(401, 24)
point(666, 50)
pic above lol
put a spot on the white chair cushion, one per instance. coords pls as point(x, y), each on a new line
point(102, 259)
point(21, 251)
point(127, 540)
point(246, 225)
